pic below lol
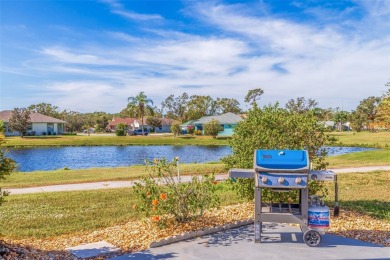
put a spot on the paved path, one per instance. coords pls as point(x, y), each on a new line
point(279, 241)
point(124, 184)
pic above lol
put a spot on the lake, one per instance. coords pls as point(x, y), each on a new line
point(80, 157)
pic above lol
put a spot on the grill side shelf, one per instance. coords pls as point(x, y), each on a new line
point(241, 173)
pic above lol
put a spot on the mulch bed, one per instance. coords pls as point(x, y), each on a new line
point(138, 235)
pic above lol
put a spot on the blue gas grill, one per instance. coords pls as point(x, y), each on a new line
point(282, 171)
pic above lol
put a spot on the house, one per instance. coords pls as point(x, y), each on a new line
point(134, 123)
point(228, 121)
point(131, 123)
point(165, 126)
point(40, 124)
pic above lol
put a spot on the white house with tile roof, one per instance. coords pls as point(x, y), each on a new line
point(40, 124)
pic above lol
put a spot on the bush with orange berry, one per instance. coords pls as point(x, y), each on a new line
point(163, 198)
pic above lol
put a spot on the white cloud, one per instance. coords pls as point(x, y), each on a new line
point(137, 16)
point(82, 95)
point(65, 56)
point(119, 9)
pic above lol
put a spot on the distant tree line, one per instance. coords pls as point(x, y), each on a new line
point(371, 113)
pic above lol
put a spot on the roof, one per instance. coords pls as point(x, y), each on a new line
point(130, 121)
point(227, 118)
point(5, 115)
point(167, 121)
point(118, 120)
point(191, 122)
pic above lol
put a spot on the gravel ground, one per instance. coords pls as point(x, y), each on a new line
point(138, 235)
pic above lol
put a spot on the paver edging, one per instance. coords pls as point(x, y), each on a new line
point(199, 233)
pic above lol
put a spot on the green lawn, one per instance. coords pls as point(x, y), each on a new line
point(41, 178)
point(101, 140)
point(360, 159)
point(53, 214)
point(367, 193)
point(375, 139)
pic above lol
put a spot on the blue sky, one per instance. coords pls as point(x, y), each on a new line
point(90, 56)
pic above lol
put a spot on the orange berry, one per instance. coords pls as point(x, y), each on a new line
point(156, 218)
point(148, 193)
point(163, 196)
point(134, 206)
point(155, 202)
point(154, 208)
point(215, 182)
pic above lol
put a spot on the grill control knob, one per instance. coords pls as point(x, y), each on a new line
point(264, 179)
point(298, 180)
point(281, 180)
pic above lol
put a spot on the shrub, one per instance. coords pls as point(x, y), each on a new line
point(7, 165)
point(276, 128)
point(69, 133)
point(120, 132)
point(198, 132)
point(121, 129)
point(43, 133)
point(165, 199)
point(191, 129)
point(212, 128)
point(175, 129)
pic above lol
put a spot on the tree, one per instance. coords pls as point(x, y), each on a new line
point(383, 110)
point(45, 109)
point(301, 105)
point(212, 128)
point(358, 121)
point(366, 111)
point(20, 120)
point(340, 118)
point(275, 128)
point(75, 121)
point(140, 104)
point(7, 165)
point(254, 95)
point(226, 105)
point(323, 114)
point(200, 106)
point(154, 122)
point(175, 129)
point(176, 106)
point(101, 123)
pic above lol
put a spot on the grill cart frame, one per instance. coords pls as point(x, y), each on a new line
point(282, 171)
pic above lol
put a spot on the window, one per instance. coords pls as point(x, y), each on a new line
point(50, 127)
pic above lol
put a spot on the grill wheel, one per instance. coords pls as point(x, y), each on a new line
point(312, 238)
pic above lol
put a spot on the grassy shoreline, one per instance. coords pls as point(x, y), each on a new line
point(43, 178)
point(360, 139)
point(112, 140)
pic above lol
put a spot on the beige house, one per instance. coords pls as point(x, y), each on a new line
point(133, 124)
point(40, 124)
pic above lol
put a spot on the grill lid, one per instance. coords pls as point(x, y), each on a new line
point(281, 160)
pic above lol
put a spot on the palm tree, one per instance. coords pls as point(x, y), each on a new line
point(140, 104)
